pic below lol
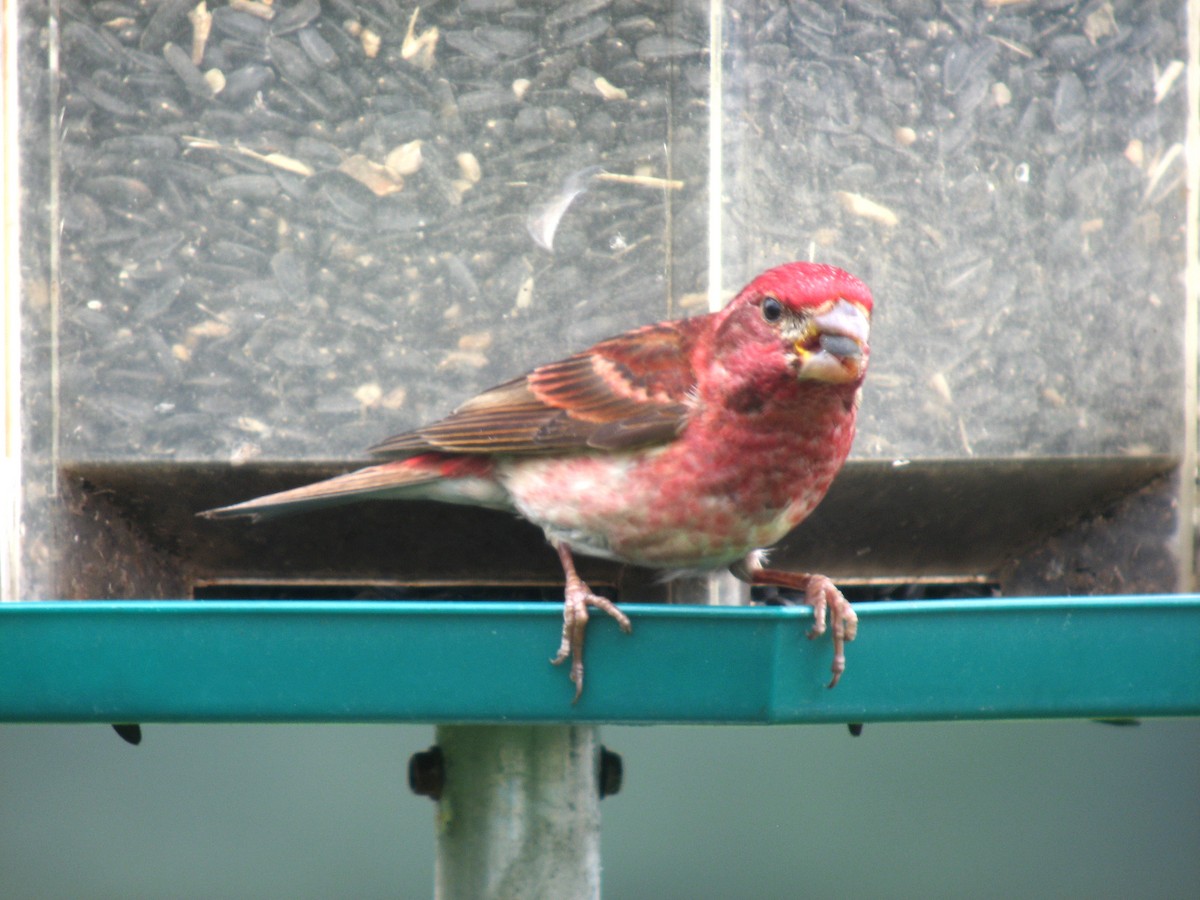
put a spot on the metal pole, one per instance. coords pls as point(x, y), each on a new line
point(518, 812)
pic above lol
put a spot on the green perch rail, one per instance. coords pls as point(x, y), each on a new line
point(487, 662)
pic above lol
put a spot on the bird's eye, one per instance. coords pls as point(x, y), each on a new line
point(772, 309)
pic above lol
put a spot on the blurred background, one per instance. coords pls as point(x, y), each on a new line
point(1037, 809)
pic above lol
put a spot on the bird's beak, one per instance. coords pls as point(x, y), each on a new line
point(833, 346)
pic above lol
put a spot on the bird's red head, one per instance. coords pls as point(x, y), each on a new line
point(805, 285)
point(814, 319)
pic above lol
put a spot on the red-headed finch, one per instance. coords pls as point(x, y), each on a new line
point(684, 446)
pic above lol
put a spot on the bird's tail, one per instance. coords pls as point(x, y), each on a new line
point(430, 475)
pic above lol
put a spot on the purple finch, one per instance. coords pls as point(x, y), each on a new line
point(684, 446)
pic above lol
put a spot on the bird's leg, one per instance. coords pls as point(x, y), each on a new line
point(575, 617)
point(821, 594)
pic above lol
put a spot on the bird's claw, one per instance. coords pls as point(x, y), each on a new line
point(575, 618)
point(825, 599)
point(822, 595)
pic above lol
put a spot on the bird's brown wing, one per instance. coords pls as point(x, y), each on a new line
point(628, 391)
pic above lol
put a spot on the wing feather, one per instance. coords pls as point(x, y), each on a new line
point(628, 391)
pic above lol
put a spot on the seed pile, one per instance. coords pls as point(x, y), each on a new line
point(1008, 179)
point(289, 229)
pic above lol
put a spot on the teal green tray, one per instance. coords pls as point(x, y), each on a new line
point(302, 661)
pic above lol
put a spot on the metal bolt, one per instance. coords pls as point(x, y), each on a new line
point(427, 773)
point(611, 772)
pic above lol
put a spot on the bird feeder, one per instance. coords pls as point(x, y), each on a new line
point(245, 241)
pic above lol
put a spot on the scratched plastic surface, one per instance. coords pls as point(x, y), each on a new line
point(242, 276)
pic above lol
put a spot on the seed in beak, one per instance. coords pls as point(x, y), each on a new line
point(839, 345)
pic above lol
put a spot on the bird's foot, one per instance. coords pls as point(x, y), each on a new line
point(824, 597)
point(575, 618)
point(827, 602)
